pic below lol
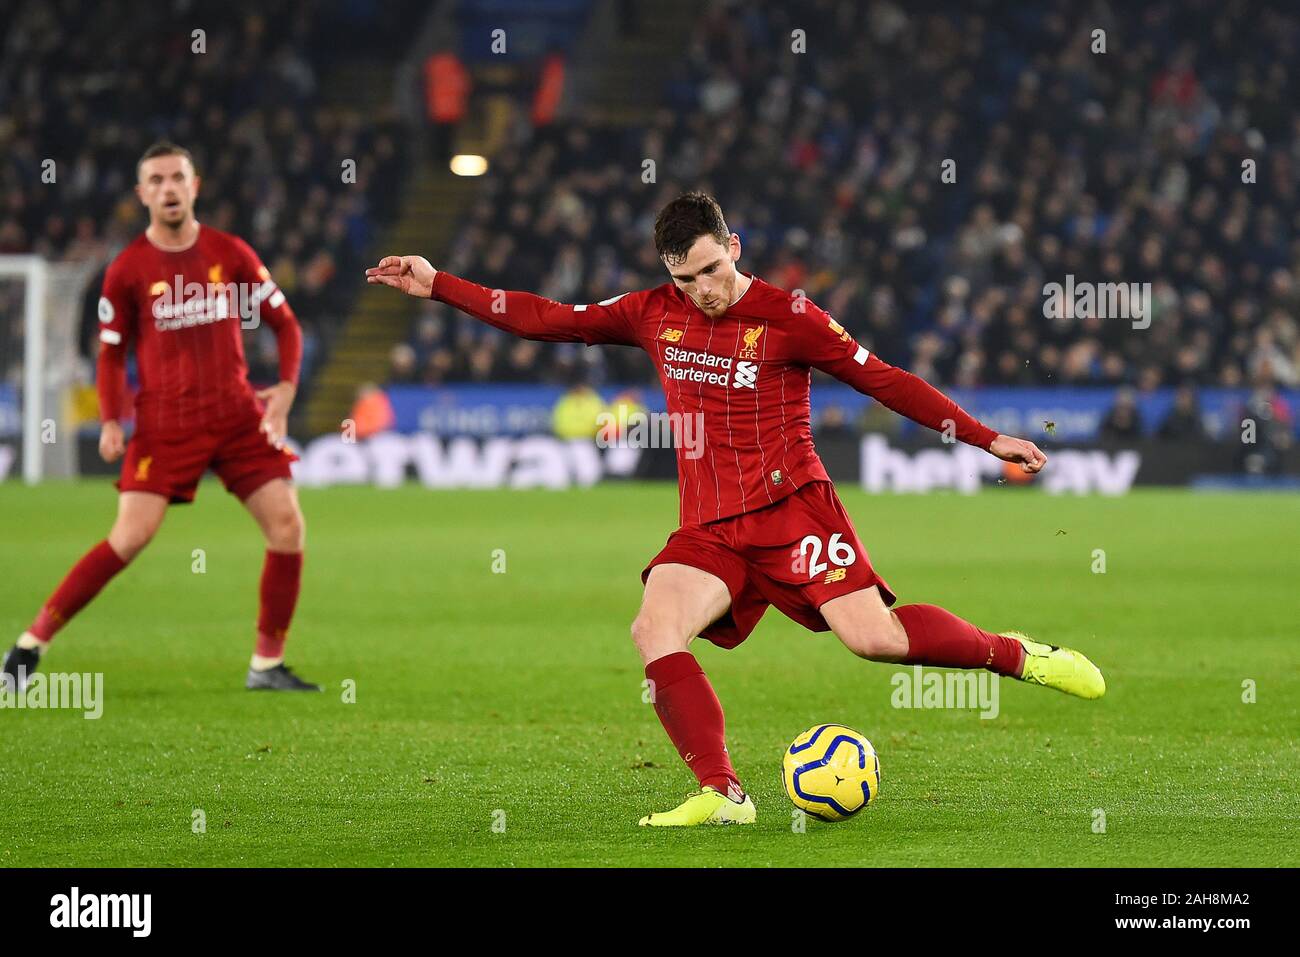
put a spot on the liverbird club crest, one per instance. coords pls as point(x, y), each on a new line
point(750, 349)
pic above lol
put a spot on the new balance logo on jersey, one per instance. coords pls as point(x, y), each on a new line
point(671, 335)
point(746, 375)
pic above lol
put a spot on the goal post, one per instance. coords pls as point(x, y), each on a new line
point(41, 304)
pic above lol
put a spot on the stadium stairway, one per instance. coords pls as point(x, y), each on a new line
point(617, 78)
point(622, 81)
point(362, 84)
point(432, 202)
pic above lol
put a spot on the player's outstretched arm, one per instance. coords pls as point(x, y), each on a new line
point(412, 275)
point(825, 345)
point(912, 396)
point(1025, 453)
point(522, 313)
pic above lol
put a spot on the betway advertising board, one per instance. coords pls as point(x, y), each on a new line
point(1074, 413)
point(876, 462)
point(497, 436)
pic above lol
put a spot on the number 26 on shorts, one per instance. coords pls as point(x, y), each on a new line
point(810, 552)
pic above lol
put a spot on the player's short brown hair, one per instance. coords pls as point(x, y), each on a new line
point(163, 148)
point(684, 220)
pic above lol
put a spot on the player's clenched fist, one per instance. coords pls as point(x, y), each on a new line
point(1010, 449)
point(112, 443)
point(411, 274)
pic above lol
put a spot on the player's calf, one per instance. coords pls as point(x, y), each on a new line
point(274, 506)
point(930, 635)
point(139, 514)
point(918, 635)
point(82, 583)
point(680, 602)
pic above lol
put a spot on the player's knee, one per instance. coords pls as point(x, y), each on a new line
point(286, 531)
point(128, 539)
point(655, 635)
point(877, 642)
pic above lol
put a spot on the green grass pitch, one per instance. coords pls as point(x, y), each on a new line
point(520, 693)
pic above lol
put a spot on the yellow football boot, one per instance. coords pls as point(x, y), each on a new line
point(1061, 668)
point(706, 806)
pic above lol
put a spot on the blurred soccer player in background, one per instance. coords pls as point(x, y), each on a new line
point(181, 293)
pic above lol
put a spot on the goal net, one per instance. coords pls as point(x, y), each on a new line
point(46, 381)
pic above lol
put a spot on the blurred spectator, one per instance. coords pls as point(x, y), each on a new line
point(1183, 423)
point(833, 423)
point(550, 88)
point(625, 411)
point(1267, 426)
point(372, 413)
point(1122, 423)
point(446, 96)
point(1114, 168)
point(576, 412)
point(401, 364)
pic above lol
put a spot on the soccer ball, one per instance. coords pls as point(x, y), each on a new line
point(831, 772)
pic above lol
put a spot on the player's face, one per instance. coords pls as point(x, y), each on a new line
point(168, 187)
point(708, 275)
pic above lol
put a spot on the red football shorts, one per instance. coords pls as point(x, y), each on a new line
point(172, 465)
point(797, 554)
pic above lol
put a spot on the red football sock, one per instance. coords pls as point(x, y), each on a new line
point(692, 716)
point(281, 577)
point(82, 584)
point(938, 637)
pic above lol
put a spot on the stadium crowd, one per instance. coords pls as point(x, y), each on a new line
point(91, 86)
point(1171, 158)
point(923, 175)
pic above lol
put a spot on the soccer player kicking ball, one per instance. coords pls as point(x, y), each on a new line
point(179, 291)
point(760, 521)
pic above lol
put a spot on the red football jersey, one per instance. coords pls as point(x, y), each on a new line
point(184, 312)
point(747, 372)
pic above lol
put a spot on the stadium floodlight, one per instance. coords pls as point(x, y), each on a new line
point(45, 317)
point(468, 164)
